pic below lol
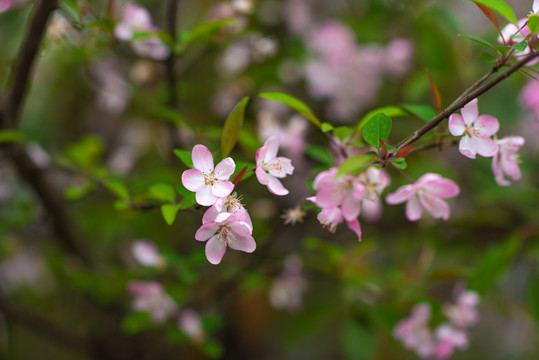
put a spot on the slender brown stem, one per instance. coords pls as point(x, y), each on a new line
point(463, 100)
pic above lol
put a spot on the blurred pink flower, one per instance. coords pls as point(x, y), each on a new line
point(270, 168)
point(137, 19)
point(426, 193)
point(529, 97)
point(4, 5)
point(375, 181)
point(447, 339)
point(505, 162)
point(207, 182)
point(287, 290)
point(225, 230)
point(398, 57)
point(512, 34)
point(476, 130)
point(414, 331)
point(146, 253)
point(113, 92)
point(190, 323)
point(463, 313)
point(291, 135)
point(151, 297)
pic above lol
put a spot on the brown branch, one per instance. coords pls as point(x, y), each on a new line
point(171, 8)
point(471, 93)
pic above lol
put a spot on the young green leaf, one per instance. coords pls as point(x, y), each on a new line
point(479, 41)
point(355, 164)
point(342, 132)
point(163, 192)
point(232, 127)
point(378, 127)
point(9, 135)
point(533, 23)
point(169, 212)
point(326, 127)
point(188, 200)
point(391, 111)
point(501, 7)
point(294, 103)
point(521, 46)
point(185, 157)
point(424, 112)
point(400, 163)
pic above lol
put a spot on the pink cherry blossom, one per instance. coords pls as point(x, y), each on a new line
point(225, 230)
point(529, 97)
point(4, 5)
point(146, 253)
point(447, 339)
point(190, 323)
point(426, 193)
point(414, 332)
point(287, 289)
point(230, 204)
point(269, 167)
point(151, 297)
point(207, 182)
point(375, 181)
point(463, 313)
point(137, 19)
point(476, 130)
point(505, 162)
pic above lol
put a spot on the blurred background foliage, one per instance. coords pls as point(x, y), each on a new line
point(95, 115)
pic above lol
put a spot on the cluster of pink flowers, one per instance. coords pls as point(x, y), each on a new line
point(137, 19)
point(227, 223)
point(415, 334)
point(476, 131)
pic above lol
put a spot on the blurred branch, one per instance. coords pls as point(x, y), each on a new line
point(42, 326)
point(171, 8)
point(469, 94)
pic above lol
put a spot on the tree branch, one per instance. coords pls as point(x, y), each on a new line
point(471, 93)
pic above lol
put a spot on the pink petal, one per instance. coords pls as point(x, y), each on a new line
point(210, 214)
point(193, 180)
point(215, 250)
point(243, 242)
point(439, 186)
point(400, 195)
point(485, 146)
point(470, 112)
point(272, 145)
point(260, 155)
point(467, 147)
point(280, 167)
point(434, 206)
point(225, 169)
point(371, 209)
point(275, 186)
point(456, 125)
point(261, 176)
point(205, 196)
point(487, 125)
point(511, 169)
point(355, 227)
point(222, 188)
point(122, 31)
point(497, 171)
point(414, 210)
point(206, 231)
point(324, 177)
point(350, 208)
point(202, 159)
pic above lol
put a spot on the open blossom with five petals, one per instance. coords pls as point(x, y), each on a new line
point(208, 182)
point(226, 230)
point(340, 199)
point(426, 193)
point(151, 297)
point(505, 162)
point(414, 331)
point(269, 167)
point(476, 131)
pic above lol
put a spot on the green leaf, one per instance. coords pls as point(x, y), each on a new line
point(533, 23)
point(354, 164)
point(358, 343)
point(86, 151)
point(168, 113)
point(424, 112)
point(163, 192)
point(378, 127)
point(9, 135)
point(185, 157)
point(294, 103)
point(533, 295)
point(208, 29)
point(479, 41)
point(493, 263)
point(391, 111)
point(501, 7)
point(212, 349)
point(326, 127)
point(169, 212)
point(188, 201)
point(75, 192)
point(342, 132)
point(118, 188)
point(521, 46)
point(320, 154)
point(400, 163)
point(488, 57)
point(232, 127)
point(182, 190)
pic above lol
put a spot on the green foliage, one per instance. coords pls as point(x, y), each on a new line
point(479, 41)
point(501, 7)
point(376, 129)
point(320, 154)
point(163, 192)
point(86, 152)
point(169, 212)
point(355, 164)
point(533, 23)
point(185, 157)
point(294, 103)
point(342, 132)
point(358, 343)
point(232, 127)
point(391, 111)
point(400, 163)
point(9, 135)
point(424, 112)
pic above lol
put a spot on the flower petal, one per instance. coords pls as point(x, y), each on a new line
point(222, 188)
point(215, 250)
point(485, 146)
point(434, 206)
point(205, 196)
point(414, 210)
point(439, 186)
point(206, 231)
point(193, 180)
point(275, 186)
point(261, 176)
point(225, 169)
point(355, 227)
point(400, 195)
point(244, 242)
point(210, 214)
point(470, 112)
point(486, 125)
point(456, 125)
point(280, 167)
point(272, 145)
point(467, 147)
point(511, 169)
point(202, 159)
point(350, 208)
